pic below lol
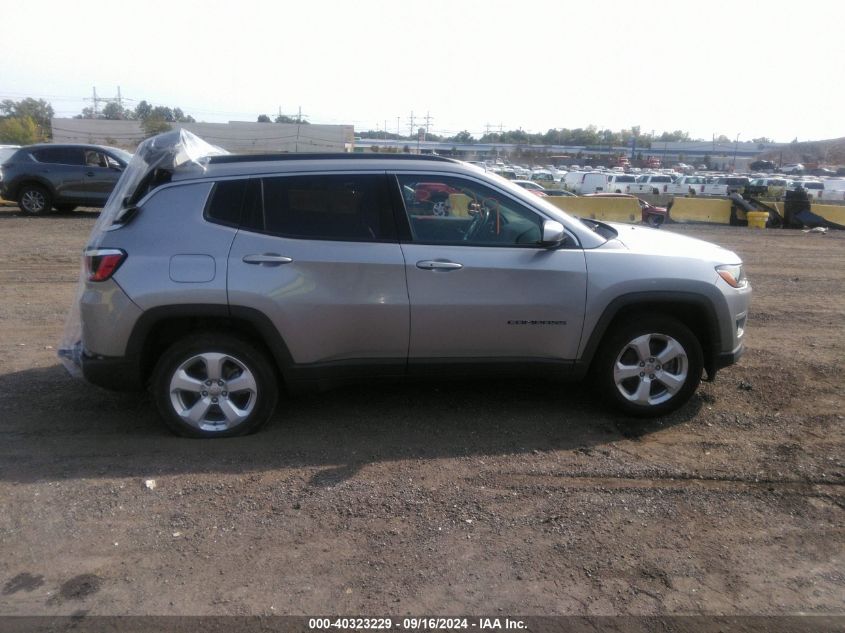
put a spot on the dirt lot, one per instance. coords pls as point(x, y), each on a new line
point(444, 499)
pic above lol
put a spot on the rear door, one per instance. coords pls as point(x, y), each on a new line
point(318, 255)
point(480, 285)
point(64, 167)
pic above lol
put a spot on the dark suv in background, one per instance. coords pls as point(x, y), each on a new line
point(43, 177)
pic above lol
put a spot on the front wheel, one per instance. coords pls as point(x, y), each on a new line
point(649, 366)
point(214, 385)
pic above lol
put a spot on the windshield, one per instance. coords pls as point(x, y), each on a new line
point(121, 154)
point(548, 208)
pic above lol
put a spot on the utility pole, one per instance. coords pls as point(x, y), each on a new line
point(96, 101)
point(411, 125)
point(428, 120)
point(119, 100)
point(398, 129)
point(736, 147)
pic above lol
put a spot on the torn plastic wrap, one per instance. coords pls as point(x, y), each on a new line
point(151, 165)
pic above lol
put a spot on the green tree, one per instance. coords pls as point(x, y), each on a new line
point(115, 112)
point(19, 130)
point(462, 137)
point(143, 110)
point(263, 118)
point(40, 111)
point(153, 125)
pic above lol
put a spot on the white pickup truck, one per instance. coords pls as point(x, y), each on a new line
point(726, 185)
point(688, 186)
point(620, 183)
point(652, 183)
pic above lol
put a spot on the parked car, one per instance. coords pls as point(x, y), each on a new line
point(792, 168)
point(726, 185)
point(531, 186)
point(652, 183)
point(6, 152)
point(687, 186)
point(762, 165)
point(584, 182)
point(652, 215)
point(46, 176)
point(296, 270)
point(620, 183)
point(814, 188)
point(768, 187)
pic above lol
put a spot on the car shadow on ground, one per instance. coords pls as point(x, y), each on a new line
point(57, 427)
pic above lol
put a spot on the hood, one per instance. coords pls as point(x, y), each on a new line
point(641, 239)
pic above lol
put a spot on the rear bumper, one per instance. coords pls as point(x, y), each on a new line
point(114, 374)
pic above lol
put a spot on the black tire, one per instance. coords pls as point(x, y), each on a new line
point(65, 208)
point(654, 221)
point(239, 361)
point(35, 200)
point(684, 374)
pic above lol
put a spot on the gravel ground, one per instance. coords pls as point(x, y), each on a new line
point(436, 498)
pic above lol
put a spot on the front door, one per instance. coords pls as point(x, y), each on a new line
point(480, 285)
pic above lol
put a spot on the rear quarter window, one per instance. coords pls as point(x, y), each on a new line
point(59, 156)
point(226, 202)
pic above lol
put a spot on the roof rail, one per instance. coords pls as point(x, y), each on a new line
point(249, 158)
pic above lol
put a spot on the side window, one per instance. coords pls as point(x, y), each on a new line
point(352, 208)
point(59, 156)
point(448, 210)
point(226, 201)
point(95, 159)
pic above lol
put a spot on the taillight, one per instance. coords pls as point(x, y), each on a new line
point(101, 263)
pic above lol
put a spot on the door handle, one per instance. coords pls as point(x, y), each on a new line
point(267, 259)
point(90, 173)
point(438, 264)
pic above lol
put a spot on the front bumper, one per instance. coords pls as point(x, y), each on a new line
point(729, 358)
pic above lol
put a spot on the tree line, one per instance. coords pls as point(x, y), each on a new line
point(29, 120)
point(591, 136)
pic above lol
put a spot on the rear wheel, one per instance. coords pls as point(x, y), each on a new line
point(214, 385)
point(35, 200)
point(649, 366)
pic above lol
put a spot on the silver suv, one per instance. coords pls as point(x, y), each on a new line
point(213, 286)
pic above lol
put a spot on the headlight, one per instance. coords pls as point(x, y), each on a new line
point(733, 274)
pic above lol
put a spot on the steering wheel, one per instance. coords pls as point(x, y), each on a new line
point(481, 219)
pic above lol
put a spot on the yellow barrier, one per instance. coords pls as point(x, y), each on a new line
point(598, 208)
point(714, 211)
point(831, 212)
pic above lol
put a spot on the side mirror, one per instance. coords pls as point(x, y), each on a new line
point(553, 233)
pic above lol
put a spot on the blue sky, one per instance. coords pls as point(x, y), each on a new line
point(755, 69)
